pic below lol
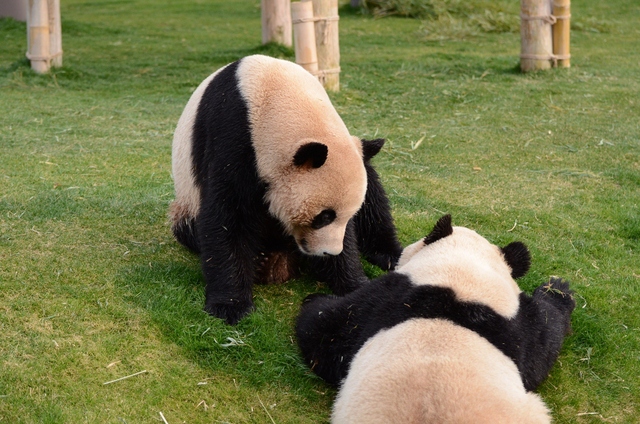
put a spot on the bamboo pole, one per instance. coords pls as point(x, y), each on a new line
point(561, 32)
point(55, 33)
point(38, 36)
point(304, 35)
point(276, 21)
point(535, 35)
point(327, 42)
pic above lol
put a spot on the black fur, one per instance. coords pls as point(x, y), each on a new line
point(185, 232)
point(324, 218)
point(370, 148)
point(330, 330)
point(518, 258)
point(311, 155)
point(234, 230)
point(377, 239)
point(442, 229)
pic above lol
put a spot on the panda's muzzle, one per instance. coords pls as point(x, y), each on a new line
point(303, 244)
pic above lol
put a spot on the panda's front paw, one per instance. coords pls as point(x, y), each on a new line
point(383, 261)
point(556, 289)
point(230, 311)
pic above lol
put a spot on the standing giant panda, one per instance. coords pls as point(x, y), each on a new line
point(264, 168)
point(446, 338)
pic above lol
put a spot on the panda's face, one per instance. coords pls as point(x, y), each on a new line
point(312, 166)
point(317, 194)
point(461, 259)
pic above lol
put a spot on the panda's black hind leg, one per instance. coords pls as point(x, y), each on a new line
point(185, 233)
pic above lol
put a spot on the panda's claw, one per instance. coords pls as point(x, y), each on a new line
point(230, 312)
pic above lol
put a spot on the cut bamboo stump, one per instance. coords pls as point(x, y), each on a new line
point(304, 35)
point(38, 36)
point(561, 32)
point(276, 21)
point(55, 33)
point(44, 35)
point(536, 35)
point(326, 17)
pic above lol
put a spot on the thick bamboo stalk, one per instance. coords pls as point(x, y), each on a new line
point(327, 42)
point(535, 34)
point(38, 36)
point(561, 32)
point(55, 33)
point(276, 21)
point(304, 35)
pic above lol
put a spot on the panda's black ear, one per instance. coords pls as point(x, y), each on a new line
point(311, 155)
point(442, 229)
point(518, 258)
point(370, 148)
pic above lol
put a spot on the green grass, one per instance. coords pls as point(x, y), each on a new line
point(93, 287)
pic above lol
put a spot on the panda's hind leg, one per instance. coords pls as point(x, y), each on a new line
point(277, 267)
point(183, 226)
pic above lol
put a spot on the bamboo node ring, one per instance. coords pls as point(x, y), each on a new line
point(552, 57)
point(315, 19)
point(37, 57)
point(324, 72)
point(550, 19)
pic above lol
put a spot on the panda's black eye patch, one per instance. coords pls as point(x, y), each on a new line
point(323, 219)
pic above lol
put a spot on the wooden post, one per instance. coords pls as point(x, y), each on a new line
point(327, 42)
point(276, 21)
point(55, 33)
point(38, 36)
point(561, 32)
point(304, 35)
point(535, 34)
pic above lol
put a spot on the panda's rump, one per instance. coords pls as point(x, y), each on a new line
point(431, 370)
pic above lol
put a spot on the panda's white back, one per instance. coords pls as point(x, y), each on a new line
point(433, 371)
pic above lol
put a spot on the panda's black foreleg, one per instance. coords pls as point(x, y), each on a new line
point(343, 273)
point(229, 246)
point(543, 320)
point(375, 230)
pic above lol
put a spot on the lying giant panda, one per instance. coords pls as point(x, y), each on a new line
point(265, 169)
point(446, 338)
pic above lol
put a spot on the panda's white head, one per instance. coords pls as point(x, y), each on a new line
point(313, 167)
point(317, 194)
point(476, 270)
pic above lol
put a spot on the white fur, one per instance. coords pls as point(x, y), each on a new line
point(467, 263)
point(288, 107)
point(433, 371)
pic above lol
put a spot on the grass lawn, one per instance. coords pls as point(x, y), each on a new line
point(93, 287)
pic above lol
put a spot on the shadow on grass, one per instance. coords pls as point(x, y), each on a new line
point(260, 350)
